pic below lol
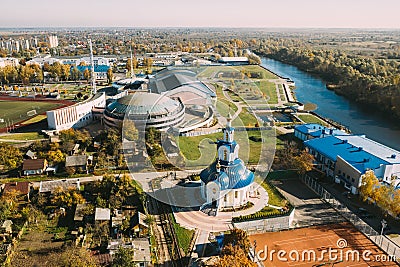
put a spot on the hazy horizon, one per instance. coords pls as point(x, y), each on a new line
point(341, 14)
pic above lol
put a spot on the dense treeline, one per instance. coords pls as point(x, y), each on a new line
point(367, 80)
point(26, 74)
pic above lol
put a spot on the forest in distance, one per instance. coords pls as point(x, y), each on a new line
point(362, 78)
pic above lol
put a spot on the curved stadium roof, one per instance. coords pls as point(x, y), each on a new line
point(170, 79)
point(143, 103)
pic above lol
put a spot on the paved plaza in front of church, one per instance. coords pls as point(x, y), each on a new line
point(222, 221)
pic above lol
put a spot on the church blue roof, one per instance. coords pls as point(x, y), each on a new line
point(232, 176)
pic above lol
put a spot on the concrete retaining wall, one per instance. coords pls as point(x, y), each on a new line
point(267, 225)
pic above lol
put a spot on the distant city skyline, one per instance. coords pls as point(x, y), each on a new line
point(205, 13)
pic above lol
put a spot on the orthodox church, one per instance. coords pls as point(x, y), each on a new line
point(227, 183)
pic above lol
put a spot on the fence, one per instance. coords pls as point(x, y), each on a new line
point(387, 245)
point(278, 223)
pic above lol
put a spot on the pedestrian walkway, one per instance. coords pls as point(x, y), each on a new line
point(222, 222)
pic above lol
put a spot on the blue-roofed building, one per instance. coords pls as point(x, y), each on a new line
point(347, 157)
point(312, 130)
point(227, 183)
point(99, 70)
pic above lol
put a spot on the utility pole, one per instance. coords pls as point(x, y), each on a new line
point(132, 72)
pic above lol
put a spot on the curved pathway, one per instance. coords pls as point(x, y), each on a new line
point(238, 106)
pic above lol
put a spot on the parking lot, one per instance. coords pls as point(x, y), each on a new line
point(310, 209)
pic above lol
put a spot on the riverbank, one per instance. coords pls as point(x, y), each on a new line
point(358, 119)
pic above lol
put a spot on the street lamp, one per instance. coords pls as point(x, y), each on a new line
point(384, 224)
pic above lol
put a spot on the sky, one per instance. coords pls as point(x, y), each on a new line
point(201, 13)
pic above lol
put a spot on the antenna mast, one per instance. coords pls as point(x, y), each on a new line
point(132, 72)
point(235, 49)
point(94, 91)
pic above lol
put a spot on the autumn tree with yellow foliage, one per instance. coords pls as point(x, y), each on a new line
point(235, 250)
point(66, 197)
point(384, 195)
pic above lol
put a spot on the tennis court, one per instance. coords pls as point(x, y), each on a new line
point(339, 245)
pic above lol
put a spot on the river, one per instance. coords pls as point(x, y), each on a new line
point(359, 120)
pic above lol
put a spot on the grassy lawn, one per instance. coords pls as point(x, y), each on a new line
point(199, 149)
point(284, 174)
point(35, 119)
point(15, 111)
point(183, 235)
point(269, 90)
point(224, 107)
point(257, 69)
point(245, 119)
point(202, 152)
point(275, 198)
point(22, 136)
point(310, 118)
point(263, 73)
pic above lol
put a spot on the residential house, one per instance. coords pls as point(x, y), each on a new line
point(50, 186)
point(30, 155)
point(140, 247)
point(79, 162)
point(102, 214)
point(139, 225)
point(22, 188)
point(79, 213)
point(34, 166)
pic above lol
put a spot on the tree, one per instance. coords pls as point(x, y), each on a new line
point(134, 64)
point(238, 237)
point(395, 204)
point(129, 131)
point(10, 156)
point(31, 213)
point(75, 74)
point(70, 170)
point(87, 74)
point(369, 184)
point(66, 198)
point(66, 71)
point(124, 258)
point(234, 256)
point(5, 209)
point(235, 250)
point(55, 156)
point(110, 76)
point(303, 162)
point(148, 63)
point(77, 257)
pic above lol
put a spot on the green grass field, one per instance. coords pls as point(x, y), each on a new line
point(201, 151)
point(245, 119)
point(269, 90)
point(183, 235)
point(310, 118)
point(16, 111)
point(264, 74)
point(22, 136)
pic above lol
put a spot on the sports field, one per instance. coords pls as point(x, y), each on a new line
point(339, 245)
point(12, 112)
